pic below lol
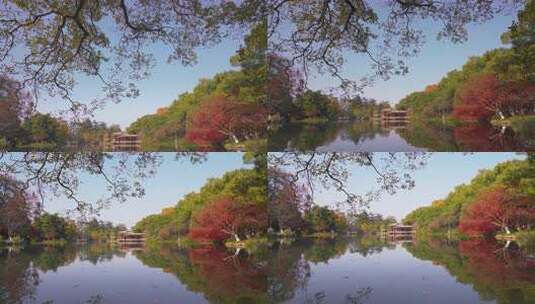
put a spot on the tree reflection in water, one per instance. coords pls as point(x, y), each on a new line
point(433, 136)
point(18, 277)
point(221, 276)
point(289, 268)
point(288, 272)
point(20, 269)
point(467, 137)
point(505, 274)
point(497, 272)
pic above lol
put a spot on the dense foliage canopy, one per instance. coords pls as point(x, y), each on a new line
point(232, 206)
point(497, 200)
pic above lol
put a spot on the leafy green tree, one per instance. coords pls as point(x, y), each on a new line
point(369, 223)
point(166, 130)
point(320, 219)
point(314, 104)
point(54, 227)
point(100, 231)
point(513, 67)
point(251, 58)
point(44, 131)
point(363, 108)
point(13, 107)
point(522, 37)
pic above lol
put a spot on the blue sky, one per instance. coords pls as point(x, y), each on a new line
point(173, 180)
point(442, 173)
point(436, 59)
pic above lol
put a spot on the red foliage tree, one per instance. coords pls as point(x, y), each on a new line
point(493, 211)
point(219, 119)
point(486, 96)
point(494, 266)
point(17, 208)
point(284, 83)
point(15, 105)
point(286, 201)
point(225, 218)
point(477, 137)
point(232, 278)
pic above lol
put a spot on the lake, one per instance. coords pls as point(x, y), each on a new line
point(104, 274)
point(369, 137)
point(372, 271)
point(352, 270)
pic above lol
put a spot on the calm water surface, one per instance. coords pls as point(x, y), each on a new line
point(100, 274)
point(369, 137)
point(368, 271)
point(353, 270)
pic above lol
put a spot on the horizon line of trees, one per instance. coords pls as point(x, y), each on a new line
point(290, 101)
point(24, 129)
point(291, 211)
point(23, 219)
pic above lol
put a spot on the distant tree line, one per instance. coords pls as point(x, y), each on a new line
point(292, 212)
point(48, 227)
point(367, 223)
point(23, 129)
point(290, 101)
point(22, 219)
